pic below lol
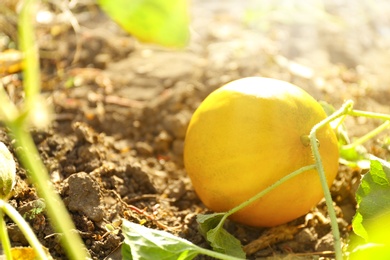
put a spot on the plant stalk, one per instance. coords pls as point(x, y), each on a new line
point(28, 45)
point(25, 146)
point(8, 110)
point(328, 198)
point(6, 244)
point(25, 228)
point(216, 255)
point(320, 168)
point(56, 210)
point(367, 136)
point(368, 114)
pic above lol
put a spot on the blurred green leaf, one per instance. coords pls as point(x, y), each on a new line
point(377, 245)
point(373, 197)
point(126, 251)
point(353, 156)
point(328, 108)
point(155, 21)
point(371, 251)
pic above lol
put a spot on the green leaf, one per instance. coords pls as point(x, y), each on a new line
point(373, 197)
point(358, 227)
point(371, 223)
point(145, 243)
point(208, 221)
point(370, 251)
point(126, 251)
point(219, 239)
point(156, 21)
point(353, 154)
point(377, 245)
point(224, 242)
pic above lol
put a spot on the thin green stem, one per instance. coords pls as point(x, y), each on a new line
point(6, 244)
point(26, 149)
point(346, 108)
point(56, 210)
point(263, 192)
point(8, 110)
point(216, 255)
point(270, 188)
point(29, 47)
point(367, 136)
point(25, 228)
point(327, 195)
point(369, 114)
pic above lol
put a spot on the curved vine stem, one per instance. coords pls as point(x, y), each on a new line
point(268, 189)
point(345, 109)
point(262, 193)
point(4, 238)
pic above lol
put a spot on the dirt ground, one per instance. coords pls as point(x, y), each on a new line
point(114, 149)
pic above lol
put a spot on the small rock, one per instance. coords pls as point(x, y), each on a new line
point(144, 148)
point(176, 189)
point(163, 141)
point(304, 241)
point(349, 211)
point(69, 169)
point(177, 124)
point(84, 196)
point(178, 146)
point(16, 235)
point(306, 235)
point(84, 132)
point(325, 243)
